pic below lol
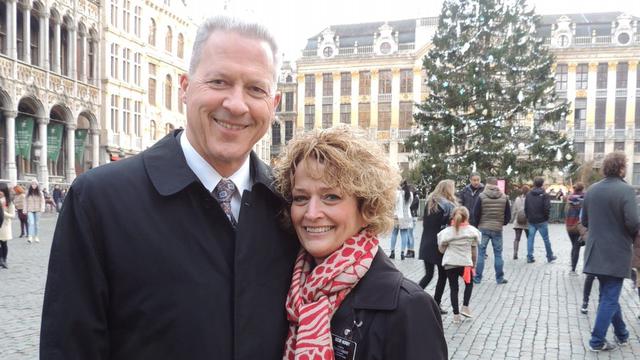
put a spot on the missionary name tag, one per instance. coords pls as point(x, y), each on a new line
point(343, 349)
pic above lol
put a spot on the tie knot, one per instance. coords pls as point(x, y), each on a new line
point(224, 190)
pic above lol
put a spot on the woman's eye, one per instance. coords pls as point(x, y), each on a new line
point(299, 199)
point(332, 197)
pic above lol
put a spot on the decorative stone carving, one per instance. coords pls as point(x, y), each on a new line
point(385, 43)
point(327, 46)
point(562, 32)
point(622, 30)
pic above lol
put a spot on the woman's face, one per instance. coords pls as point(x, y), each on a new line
point(34, 185)
point(323, 217)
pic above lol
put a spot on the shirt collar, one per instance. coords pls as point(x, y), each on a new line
point(207, 175)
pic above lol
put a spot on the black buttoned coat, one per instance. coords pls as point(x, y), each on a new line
point(145, 265)
point(390, 317)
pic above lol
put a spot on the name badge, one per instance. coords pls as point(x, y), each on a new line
point(343, 349)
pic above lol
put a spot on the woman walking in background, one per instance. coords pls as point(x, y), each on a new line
point(19, 203)
point(520, 223)
point(5, 228)
point(437, 215)
point(403, 222)
point(459, 244)
point(571, 220)
point(34, 205)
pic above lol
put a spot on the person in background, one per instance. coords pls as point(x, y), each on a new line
point(572, 218)
point(469, 194)
point(415, 207)
point(57, 197)
point(34, 206)
point(537, 207)
point(19, 202)
point(345, 293)
point(459, 244)
point(519, 217)
point(437, 215)
point(409, 196)
point(5, 229)
point(403, 221)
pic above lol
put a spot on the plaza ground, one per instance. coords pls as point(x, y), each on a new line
point(535, 316)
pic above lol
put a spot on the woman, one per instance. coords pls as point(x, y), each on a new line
point(437, 214)
point(404, 222)
point(19, 203)
point(571, 220)
point(520, 222)
point(345, 293)
point(459, 244)
point(5, 229)
point(34, 205)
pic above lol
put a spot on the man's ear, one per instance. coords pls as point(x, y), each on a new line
point(184, 84)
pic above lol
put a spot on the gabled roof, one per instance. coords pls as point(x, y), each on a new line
point(363, 33)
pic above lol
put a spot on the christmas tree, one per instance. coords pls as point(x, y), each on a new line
point(492, 104)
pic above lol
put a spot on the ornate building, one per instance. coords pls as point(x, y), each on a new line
point(49, 89)
point(370, 75)
point(282, 129)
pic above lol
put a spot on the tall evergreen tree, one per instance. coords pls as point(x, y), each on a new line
point(492, 104)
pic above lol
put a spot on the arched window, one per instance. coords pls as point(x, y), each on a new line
point(181, 46)
point(169, 39)
point(152, 32)
point(152, 130)
point(167, 92)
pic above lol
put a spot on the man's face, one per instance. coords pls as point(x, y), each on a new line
point(230, 99)
point(475, 181)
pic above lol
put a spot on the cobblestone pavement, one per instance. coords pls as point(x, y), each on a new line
point(535, 316)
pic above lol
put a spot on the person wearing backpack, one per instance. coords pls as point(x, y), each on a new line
point(571, 220)
point(520, 222)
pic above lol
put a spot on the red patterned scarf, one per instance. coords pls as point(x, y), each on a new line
point(316, 294)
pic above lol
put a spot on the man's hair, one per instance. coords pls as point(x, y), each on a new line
point(613, 163)
point(538, 181)
point(474, 174)
point(491, 180)
point(350, 162)
point(251, 30)
point(579, 186)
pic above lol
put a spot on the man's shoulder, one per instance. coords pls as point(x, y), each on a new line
point(114, 174)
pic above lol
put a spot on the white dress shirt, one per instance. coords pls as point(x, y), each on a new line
point(209, 177)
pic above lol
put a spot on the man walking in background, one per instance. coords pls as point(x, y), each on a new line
point(469, 194)
point(492, 211)
point(610, 213)
point(537, 207)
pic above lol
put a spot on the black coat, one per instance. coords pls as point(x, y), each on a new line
point(145, 265)
point(537, 206)
point(431, 226)
point(397, 319)
point(468, 197)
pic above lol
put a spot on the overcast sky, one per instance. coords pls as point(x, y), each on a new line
point(294, 21)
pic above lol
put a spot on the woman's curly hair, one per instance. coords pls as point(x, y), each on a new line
point(351, 163)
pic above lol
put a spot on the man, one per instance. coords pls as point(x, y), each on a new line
point(469, 194)
point(177, 253)
point(492, 211)
point(537, 207)
point(610, 213)
point(57, 197)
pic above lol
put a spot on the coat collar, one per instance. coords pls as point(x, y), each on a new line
point(169, 173)
point(379, 289)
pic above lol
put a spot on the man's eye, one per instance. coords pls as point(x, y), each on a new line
point(258, 90)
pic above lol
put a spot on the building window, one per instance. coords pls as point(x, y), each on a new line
point(114, 113)
point(364, 85)
point(620, 112)
point(578, 147)
point(91, 58)
point(275, 133)
point(168, 128)
point(153, 130)
point(636, 148)
point(601, 112)
point(288, 101)
point(168, 40)
point(580, 114)
point(618, 146)
point(406, 115)
point(126, 115)
point(622, 73)
point(384, 116)
point(3, 29)
point(309, 117)
point(327, 116)
point(288, 130)
point(602, 74)
point(152, 32)
point(636, 174)
point(126, 15)
point(406, 81)
point(582, 76)
point(345, 84)
point(126, 64)
point(327, 84)
point(115, 50)
point(598, 147)
point(364, 115)
point(561, 77)
point(384, 82)
point(137, 20)
point(114, 12)
point(167, 92)
point(181, 46)
point(137, 118)
point(345, 113)
point(152, 91)
point(137, 68)
point(309, 85)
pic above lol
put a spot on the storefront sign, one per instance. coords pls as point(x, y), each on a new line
point(24, 136)
point(81, 137)
point(54, 140)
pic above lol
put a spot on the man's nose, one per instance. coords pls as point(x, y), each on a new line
point(234, 101)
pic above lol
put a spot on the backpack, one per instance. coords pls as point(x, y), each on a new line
point(521, 217)
point(572, 217)
point(415, 205)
